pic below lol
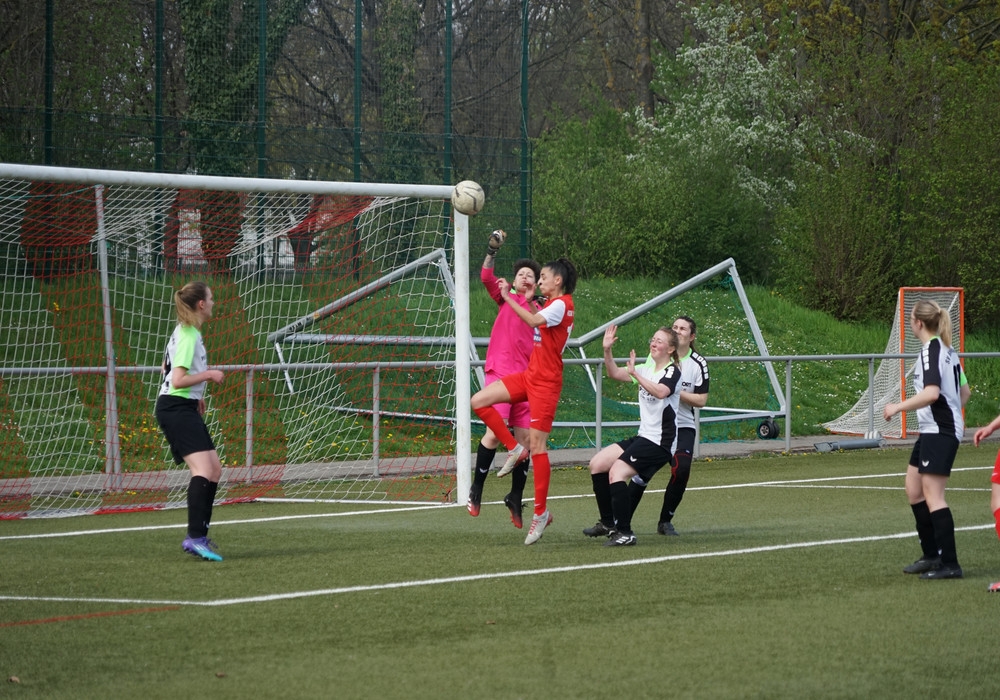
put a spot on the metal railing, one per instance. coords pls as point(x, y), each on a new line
point(113, 458)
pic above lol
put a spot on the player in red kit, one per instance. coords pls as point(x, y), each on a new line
point(540, 384)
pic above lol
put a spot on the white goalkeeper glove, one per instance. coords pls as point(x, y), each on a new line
point(496, 241)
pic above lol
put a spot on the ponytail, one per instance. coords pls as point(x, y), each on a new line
point(186, 303)
point(934, 318)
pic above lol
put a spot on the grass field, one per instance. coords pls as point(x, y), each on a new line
point(785, 583)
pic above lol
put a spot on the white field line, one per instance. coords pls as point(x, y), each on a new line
point(293, 595)
point(216, 523)
point(473, 577)
point(802, 483)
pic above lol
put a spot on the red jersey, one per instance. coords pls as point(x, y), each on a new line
point(546, 365)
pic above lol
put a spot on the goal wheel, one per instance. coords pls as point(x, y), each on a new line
point(767, 430)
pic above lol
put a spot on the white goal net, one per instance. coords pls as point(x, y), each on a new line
point(893, 379)
point(340, 321)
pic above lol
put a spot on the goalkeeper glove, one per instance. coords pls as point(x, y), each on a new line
point(496, 241)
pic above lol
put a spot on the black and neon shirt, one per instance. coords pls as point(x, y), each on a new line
point(185, 349)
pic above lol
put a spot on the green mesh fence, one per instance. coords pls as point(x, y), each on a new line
point(393, 91)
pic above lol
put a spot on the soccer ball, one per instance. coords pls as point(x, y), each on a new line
point(468, 197)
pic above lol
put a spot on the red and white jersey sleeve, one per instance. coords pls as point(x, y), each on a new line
point(546, 365)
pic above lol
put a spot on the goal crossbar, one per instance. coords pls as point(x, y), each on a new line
point(113, 223)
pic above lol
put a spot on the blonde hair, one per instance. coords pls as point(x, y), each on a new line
point(934, 318)
point(186, 303)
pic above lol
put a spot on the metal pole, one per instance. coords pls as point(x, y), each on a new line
point(525, 141)
point(248, 450)
point(158, 91)
point(358, 5)
point(599, 408)
point(47, 138)
point(376, 428)
point(463, 364)
point(697, 433)
point(448, 35)
point(788, 405)
point(871, 393)
point(262, 88)
point(112, 444)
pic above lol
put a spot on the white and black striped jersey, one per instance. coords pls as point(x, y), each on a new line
point(694, 379)
point(938, 365)
point(658, 417)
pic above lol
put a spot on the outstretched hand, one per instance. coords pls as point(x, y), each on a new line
point(610, 336)
point(496, 240)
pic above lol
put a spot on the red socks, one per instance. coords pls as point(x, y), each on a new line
point(494, 421)
point(543, 471)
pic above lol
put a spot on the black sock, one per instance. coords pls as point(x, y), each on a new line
point(621, 506)
point(199, 498)
point(602, 493)
point(484, 460)
point(679, 476)
point(944, 535)
point(518, 478)
point(635, 491)
point(925, 530)
point(213, 488)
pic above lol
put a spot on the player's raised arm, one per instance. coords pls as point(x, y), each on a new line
point(614, 371)
point(532, 319)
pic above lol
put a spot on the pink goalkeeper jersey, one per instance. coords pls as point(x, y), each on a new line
point(511, 339)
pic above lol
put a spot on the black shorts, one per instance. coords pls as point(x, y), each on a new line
point(934, 454)
point(643, 455)
point(685, 440)
point(183, 426)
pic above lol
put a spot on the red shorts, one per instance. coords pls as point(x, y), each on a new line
point(996, 470)
point(542, 400)
point(515, 415)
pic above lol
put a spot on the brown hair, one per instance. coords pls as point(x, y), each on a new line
point(934, 318)
point(528, 263)
point(692, 325)
point(186, 302)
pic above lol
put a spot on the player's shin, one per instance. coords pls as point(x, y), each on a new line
point(484, 460)
point(543, 472)
point(495, 422)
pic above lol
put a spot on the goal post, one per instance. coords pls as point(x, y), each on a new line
point(371, 404)
point(893, 379)
point(742, 394)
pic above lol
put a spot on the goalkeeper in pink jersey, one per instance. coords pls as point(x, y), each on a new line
point(511, 342)
point(540, 383)
point(977, 438)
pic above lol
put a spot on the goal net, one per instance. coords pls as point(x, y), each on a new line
point(339, 321)
point(893, 379)
point(744, 393)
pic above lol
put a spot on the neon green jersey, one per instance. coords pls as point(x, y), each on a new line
point(185, 349)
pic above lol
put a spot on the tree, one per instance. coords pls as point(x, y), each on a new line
point(705, 177)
